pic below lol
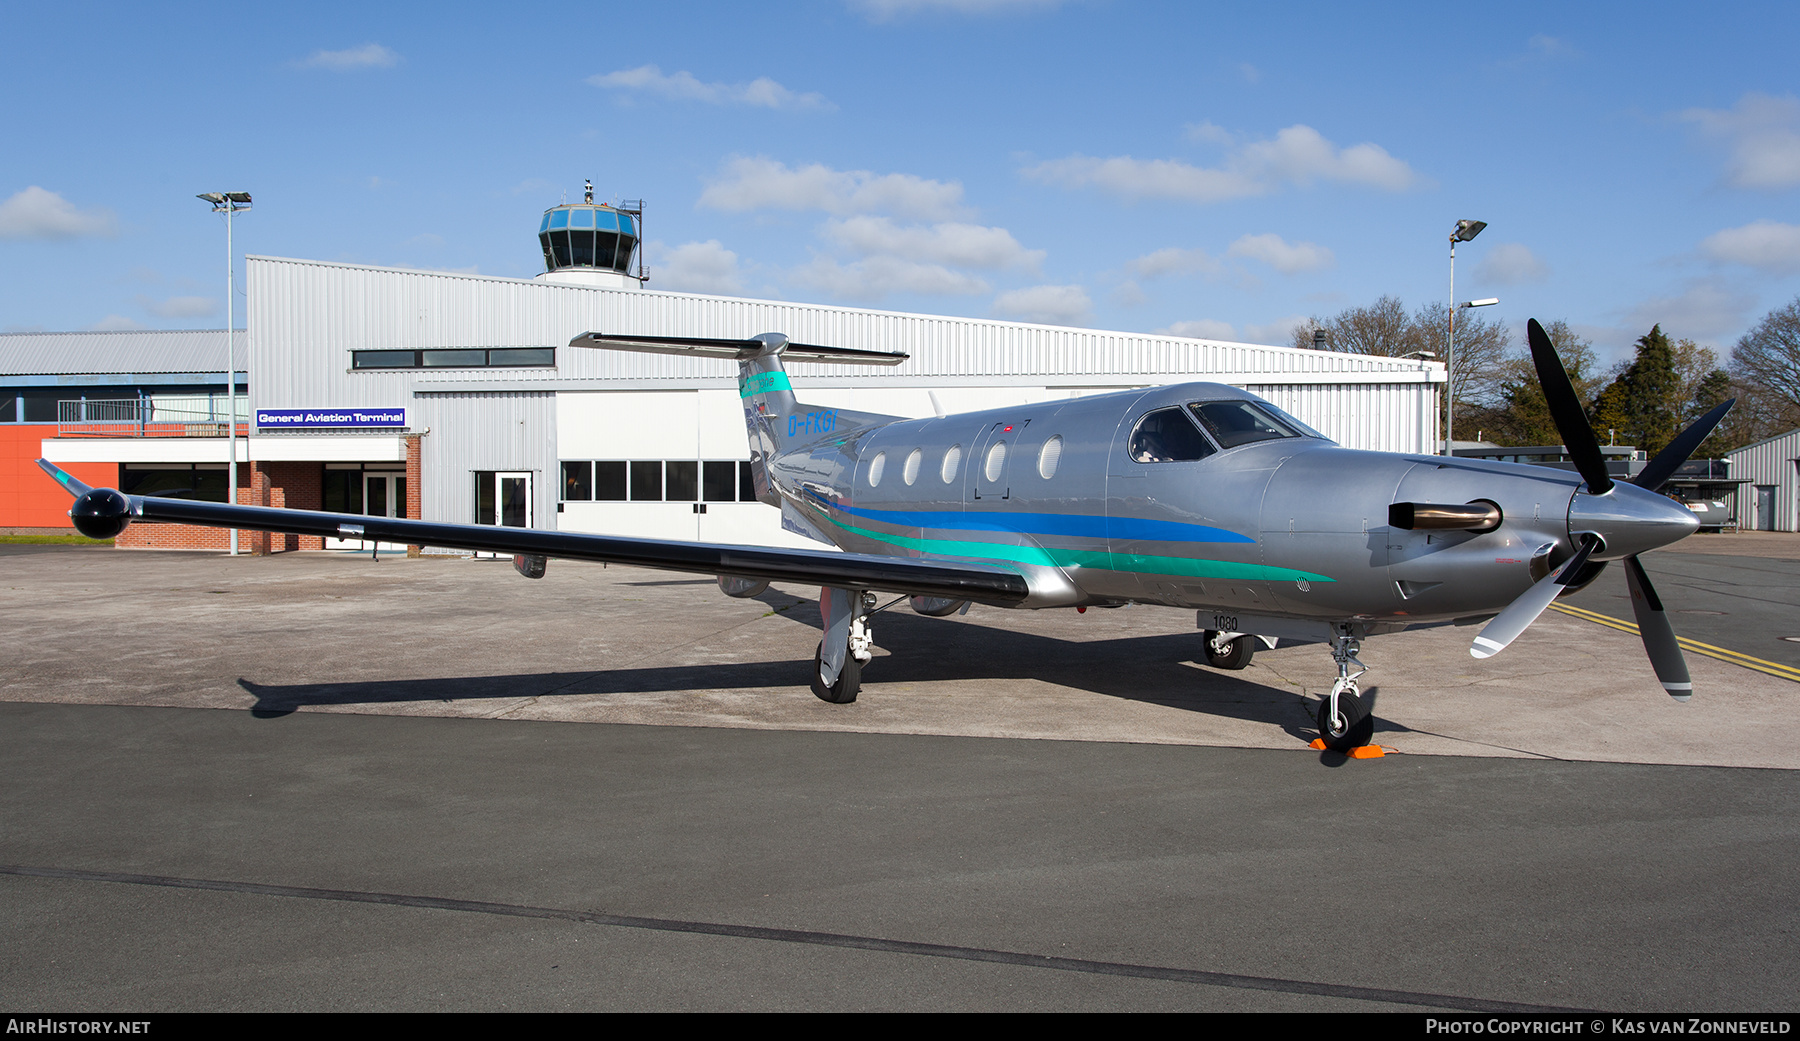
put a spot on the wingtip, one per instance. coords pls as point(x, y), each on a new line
point(64, 478)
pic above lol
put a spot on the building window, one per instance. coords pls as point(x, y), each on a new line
point(578, 481)
point(203, 482)
point(657, 480)
point(457, 358)
point(646, 481)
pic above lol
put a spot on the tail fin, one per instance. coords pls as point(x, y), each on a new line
point(772, 417)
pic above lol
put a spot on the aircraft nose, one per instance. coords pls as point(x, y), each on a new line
point(1630, 520)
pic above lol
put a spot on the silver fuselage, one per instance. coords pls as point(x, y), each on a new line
point(1296, 527)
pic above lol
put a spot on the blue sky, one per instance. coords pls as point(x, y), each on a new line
point(1176, 167)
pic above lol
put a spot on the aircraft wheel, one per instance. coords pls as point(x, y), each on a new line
point(1235, 654)
point(1352, 729)
point(849, 680)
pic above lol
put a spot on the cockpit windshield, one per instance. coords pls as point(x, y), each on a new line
point(1234, 423)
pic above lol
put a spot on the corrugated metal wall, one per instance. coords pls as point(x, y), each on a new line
point(305, 317)
point(1770, 462)
point(485, 431)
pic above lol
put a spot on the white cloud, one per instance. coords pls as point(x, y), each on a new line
point(1764, 244)
point(1049, 305)
point(180, 306)
point(34, 213)
point(1297, 155)
point(959, 245)
point(1147, 178)
point(1171, 260)
point(753, 183)
point(1128, 294)
point(1279, 332)
point(368, 56)
point(1510, 264)
point(1202, 329)
point(890, 10)
point(1763, 134)
point(696, 267)
point(872, 278)
point(1707, 309)
point(761, 92)
point(113, 323)
point(1282, 255)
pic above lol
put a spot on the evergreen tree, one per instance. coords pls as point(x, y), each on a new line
point(1520, 415)
point(1644, 405)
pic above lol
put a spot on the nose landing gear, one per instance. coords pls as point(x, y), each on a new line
point(1344, 720)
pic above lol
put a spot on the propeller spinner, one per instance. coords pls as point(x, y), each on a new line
point(1610, 520)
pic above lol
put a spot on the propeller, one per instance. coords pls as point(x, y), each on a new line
point(1584, 448)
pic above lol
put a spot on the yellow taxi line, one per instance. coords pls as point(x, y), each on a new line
point(1786, 672)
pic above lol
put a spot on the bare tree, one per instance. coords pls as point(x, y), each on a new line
point(1382, 328)
point(1481, 344)
point(1768, 357)
point(1386, 328)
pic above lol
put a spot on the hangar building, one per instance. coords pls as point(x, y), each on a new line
point(456, 397)
point(1769, 499)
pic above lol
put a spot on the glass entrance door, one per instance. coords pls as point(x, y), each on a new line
point(503, 498)
point(376, 493)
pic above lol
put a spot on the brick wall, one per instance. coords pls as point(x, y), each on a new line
point(295, 486)
point(414, 492)
point(187, 536)
point(299, 486)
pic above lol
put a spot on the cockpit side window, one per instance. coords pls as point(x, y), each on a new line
point(1167, 436)
point(1234, 423)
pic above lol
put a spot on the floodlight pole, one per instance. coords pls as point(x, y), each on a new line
point(1465, 231)
point(229, 203)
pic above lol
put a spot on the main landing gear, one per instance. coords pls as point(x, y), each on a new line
point(1344, 720)
point(847, 645)
point(1227, 650)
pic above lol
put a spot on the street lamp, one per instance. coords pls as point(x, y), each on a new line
point(229, 203)
point(1465, 231)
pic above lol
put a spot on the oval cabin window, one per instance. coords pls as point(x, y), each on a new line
point(876, 466)
point(910, 472)
point(1049, 456)
point(952, 460)
point(996, 461)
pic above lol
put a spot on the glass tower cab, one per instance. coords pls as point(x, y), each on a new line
point(592, 244)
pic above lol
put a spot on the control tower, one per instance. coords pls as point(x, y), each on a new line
point(593, 244)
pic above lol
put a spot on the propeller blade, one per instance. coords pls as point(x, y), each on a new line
point(1518, 616)
point(1659, 638)
point(1565, 410)
point(1676, 452)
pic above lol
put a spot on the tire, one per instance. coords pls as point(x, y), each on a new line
point(849, 681)
point(1352, 730)
point(1236, 655)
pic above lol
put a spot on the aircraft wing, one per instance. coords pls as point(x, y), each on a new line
point(938, 577)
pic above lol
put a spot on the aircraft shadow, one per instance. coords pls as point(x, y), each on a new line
point(1155, 670)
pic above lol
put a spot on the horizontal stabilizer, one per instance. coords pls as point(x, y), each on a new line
point(739, 350)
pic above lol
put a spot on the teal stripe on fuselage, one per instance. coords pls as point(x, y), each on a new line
point(1068, 525)
point(1049, 556)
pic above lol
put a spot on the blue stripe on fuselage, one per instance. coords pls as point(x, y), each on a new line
point(1071, 525)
